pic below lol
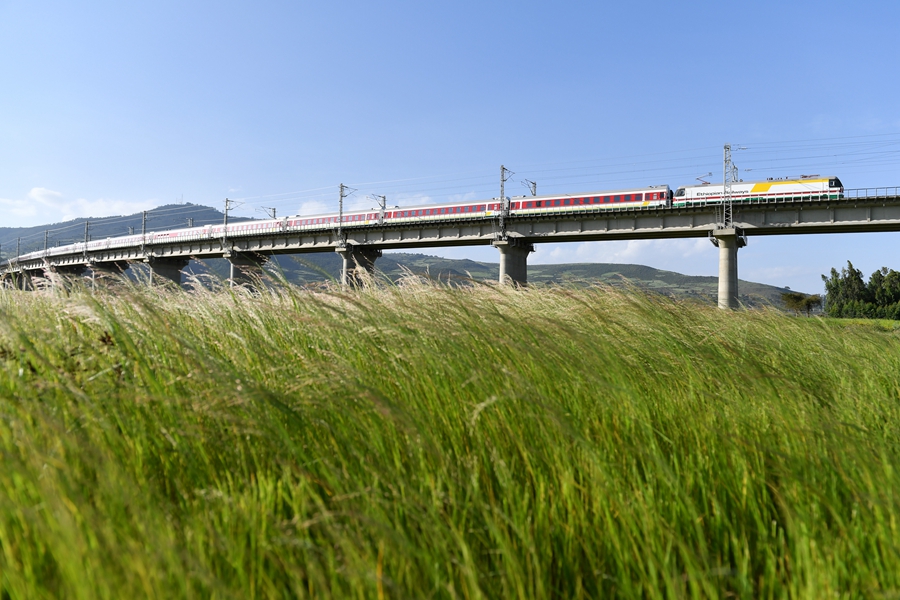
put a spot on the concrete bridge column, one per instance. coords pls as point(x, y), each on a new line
point(13, 280)
point(728, 241)
point(513, 261)
point(246, 268)
point(163, 270)
point(357, 260)
point(62, 275)
point(107, 272)
point(25, 281)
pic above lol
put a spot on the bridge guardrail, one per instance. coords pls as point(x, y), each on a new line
point(877, 192)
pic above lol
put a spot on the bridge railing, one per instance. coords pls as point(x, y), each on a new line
point(876, 192)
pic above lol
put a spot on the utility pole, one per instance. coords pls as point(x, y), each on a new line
point(269, 211)
point(729, 176)
point(190, 221)
point(532, 186)
point(345, 192)
point(382, 205)
point(46, 235)
point(726, 189)
point(143, 232)
point(225, 223)
point(87, 226)
point(505, 174)
point(17, 250)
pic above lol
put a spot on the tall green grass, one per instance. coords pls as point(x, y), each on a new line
point(422, 441)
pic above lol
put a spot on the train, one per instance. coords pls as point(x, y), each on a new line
point(656, 196)
point(786, 190)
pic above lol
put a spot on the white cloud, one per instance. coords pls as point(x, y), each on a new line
point(314, 207)
point(42, 206)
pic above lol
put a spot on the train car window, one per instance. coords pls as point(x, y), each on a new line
point(638, 197)
point(556, 203)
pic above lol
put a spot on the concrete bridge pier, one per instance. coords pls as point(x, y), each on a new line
point(164, 270)
point(24, 281)
point(728, 241)
point(357, 260)
point(513, 261)
point(107, 272)
point(13, 280)
point(63, 275)
point(246, 268)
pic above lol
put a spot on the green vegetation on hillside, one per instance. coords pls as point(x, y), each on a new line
point(422, 441)
point(315, 268)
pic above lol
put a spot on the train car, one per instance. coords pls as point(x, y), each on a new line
point(442, 212)
point(788, 190)
point(327, 221)
point(658, 195)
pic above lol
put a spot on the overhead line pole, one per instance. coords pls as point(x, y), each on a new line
point(143, 231)
point(345, 192)
point(504, 202)
point(382, 205)
point(726, 189)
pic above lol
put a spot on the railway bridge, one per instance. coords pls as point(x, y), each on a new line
point(860, 210)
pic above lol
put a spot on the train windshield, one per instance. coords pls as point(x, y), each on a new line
point(679, 192)
point(834, 182)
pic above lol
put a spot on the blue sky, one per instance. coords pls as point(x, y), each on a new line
point(111, 107)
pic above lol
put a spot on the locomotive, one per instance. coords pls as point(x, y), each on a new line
point(785, 190)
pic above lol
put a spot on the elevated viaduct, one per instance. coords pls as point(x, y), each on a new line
point(863, 210)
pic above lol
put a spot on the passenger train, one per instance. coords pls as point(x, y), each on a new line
point(660, 196)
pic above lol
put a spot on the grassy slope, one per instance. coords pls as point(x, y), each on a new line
point(426, 442)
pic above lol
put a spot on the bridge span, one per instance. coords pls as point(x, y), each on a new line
point(865, 210)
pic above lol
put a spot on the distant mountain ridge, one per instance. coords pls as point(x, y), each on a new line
point(318, 267)
point(169, 216)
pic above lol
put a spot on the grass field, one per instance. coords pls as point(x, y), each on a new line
point(426, 442)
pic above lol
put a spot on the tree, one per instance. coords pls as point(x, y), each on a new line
point(848, 296)
point(812, 302)
point(798, 302)
point(846, 290)
point(793, 300)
